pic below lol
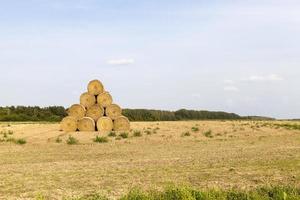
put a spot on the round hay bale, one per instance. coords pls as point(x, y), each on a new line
point(105, 124)
point(87, 100)
point(68, 124)
point(95, 112)
point(86, 124)
point(104, 99)
point(121, 124)
point(113, 111)
point(77, 111)
point(95, 87)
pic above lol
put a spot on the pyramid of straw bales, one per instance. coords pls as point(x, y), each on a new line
point(95, 112)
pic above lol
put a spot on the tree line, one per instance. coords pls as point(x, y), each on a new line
point(32, 113)
point(56, 113)
point(183, 114)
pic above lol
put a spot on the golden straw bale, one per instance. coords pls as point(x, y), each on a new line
point(87, 100)
point(86, 124)
point(68, 124)
point(113, 111)
point(104, 99)
point(121, 124)
point(77, 111)
point(105, 124)
point(95, 87)
point(95, 112)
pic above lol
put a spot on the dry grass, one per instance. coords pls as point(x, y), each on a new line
point(238, 155)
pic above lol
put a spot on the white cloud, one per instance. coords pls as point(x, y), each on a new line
point(231, 89)
point(271, 77)
point(120, 61)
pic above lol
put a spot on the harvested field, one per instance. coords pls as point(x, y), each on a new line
point(222, 154)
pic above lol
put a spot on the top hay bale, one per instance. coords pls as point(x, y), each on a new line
point(95, 87)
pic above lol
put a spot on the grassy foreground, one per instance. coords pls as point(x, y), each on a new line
point(241, 155)
point(189, 193)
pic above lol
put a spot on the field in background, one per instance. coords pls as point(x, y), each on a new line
point(203, 154)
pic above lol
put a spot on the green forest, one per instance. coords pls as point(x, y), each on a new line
point(183, 114)
point(56, 113)
point(32, 113)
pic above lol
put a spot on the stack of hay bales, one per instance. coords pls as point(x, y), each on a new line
point(96, 112)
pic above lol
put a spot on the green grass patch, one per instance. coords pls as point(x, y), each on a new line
point(208, 134)
point(195, 129)
point(189, 193)
point(20, 141)
point(112, 134)
point(137, 134)
point(148, 132)
point(186, 134)
point(123, 135)
point(289, 126)
point(6, 133)
point(11, 139)
point(99, 139)
point(89, 197)
point(58, 140)
point(72, 140)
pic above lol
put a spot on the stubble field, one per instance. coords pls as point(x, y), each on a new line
point(202, 154)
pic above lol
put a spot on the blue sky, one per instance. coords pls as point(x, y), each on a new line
point(235, 56)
